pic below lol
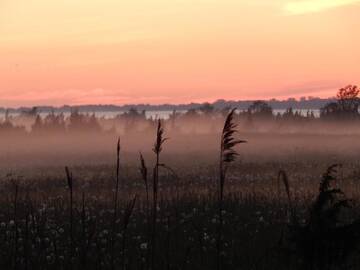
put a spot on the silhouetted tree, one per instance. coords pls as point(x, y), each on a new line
point(132, 119)
point(207, 108)
point(260, 109)
point(331, 109)
point(348, 99)
point(346, 107)
point(83, 123)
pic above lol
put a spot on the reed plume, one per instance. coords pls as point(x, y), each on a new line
point(144, 175)
point(227, 149)
point(115, 207)
point(227, 156)
point(160, 139)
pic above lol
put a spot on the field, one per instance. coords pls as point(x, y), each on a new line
point(97, 215)
point(179, 135)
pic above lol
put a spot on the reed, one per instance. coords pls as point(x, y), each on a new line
point(70, 183)
point(126, 220)
point(157, 149)
point(324, 241)
point(227, 156)
point(283, 178)
point(115, 207)
point(16, 245)
point(144, 175)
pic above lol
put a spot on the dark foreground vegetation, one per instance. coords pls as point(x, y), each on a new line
point(295, 214)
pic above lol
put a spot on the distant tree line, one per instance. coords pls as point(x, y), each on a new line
point(305, 103)
point(344, 108)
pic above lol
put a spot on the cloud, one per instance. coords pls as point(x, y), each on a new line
point(323, 88)
point(312, 6)
point(60, 97)
point(79, 97)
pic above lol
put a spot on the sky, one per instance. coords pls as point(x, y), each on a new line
point(159, 51)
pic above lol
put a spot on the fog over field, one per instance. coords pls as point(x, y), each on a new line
point(197, 139)
point(253, 188)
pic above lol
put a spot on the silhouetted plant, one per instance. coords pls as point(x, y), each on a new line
point(70, 183)
point(116, 198)
point(144, 175)
point(282, 177)
point(227, 156)
point(324, 240)
point(160, 139)
point(126, 220)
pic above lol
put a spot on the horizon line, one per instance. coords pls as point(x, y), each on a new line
point(308, 98)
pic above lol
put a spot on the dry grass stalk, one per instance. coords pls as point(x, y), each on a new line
point(227, 156)
point(160, 139)
point(70, 183)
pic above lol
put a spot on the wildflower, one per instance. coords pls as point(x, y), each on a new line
point(144, 246)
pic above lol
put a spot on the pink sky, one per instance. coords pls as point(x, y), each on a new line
point(141, 51)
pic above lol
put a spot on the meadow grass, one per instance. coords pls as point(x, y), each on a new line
point(235, 216)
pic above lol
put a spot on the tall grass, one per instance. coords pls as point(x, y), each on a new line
point(283, 178)
point(324, 241)
point(144, 175)
point(115, 207)
point(70, 183)
point(126, 219)
point(157, 149)
point(195, 228)
point(227, 156)
point(16, 243)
